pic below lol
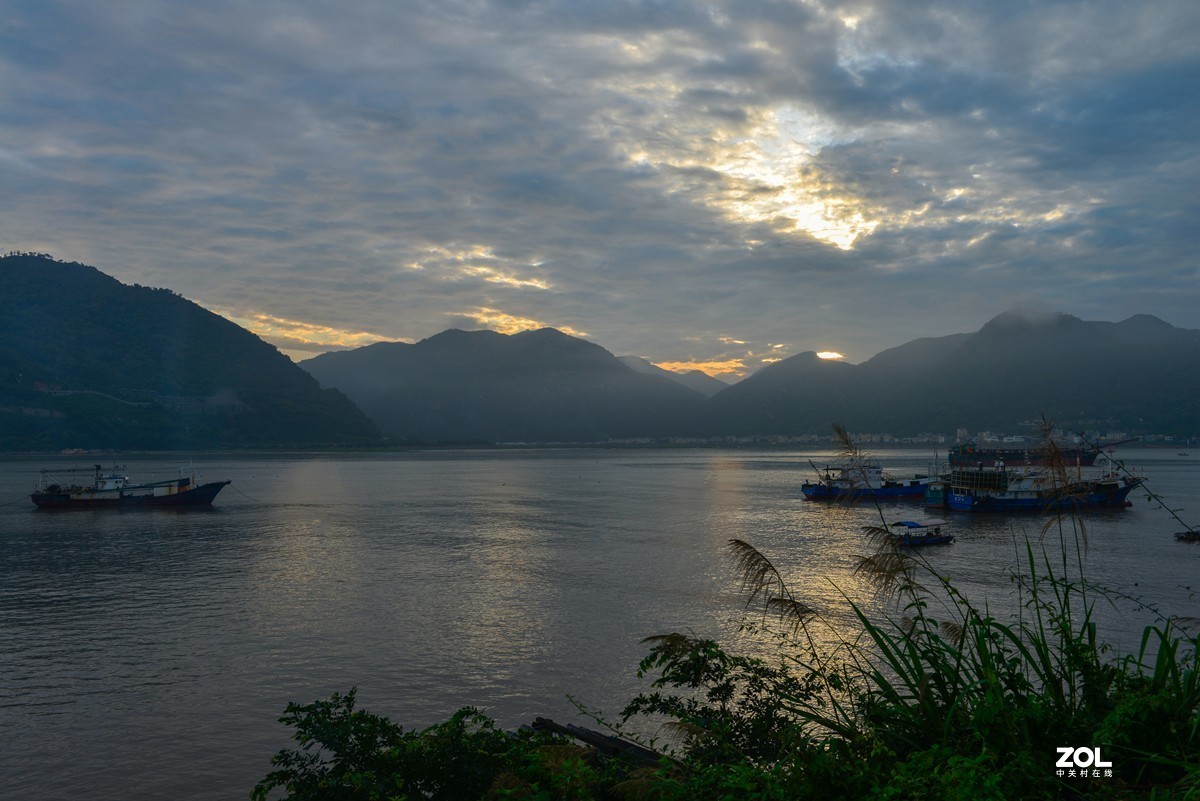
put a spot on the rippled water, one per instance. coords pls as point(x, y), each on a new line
point(148, 654)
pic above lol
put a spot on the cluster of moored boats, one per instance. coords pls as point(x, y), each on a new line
point(985, 480)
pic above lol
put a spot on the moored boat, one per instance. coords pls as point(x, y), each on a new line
point(922, 532)
point(1191, 535)
point(856, 482)
point(112, 488)
point(1004, 488)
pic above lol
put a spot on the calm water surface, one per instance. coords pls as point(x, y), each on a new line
point(149, 654)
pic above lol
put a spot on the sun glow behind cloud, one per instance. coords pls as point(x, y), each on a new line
point(765, 172)
point(296, 337)
point(505, 323)
point(722, 362)
point(830, 355)
point(494, 276)
point(478, 261)
point(735, 367)
point(776, 160)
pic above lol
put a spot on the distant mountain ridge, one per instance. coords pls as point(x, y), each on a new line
point(534, 386)
point(89, 362)
point(1141, 374)
point(1138, 375)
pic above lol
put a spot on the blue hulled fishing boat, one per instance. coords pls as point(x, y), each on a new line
point(857, 482)
point(1002, 488)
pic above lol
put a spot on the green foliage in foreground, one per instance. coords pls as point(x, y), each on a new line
point(943, 702)
point(348, 754)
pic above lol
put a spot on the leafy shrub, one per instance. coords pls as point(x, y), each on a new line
point(347, 754)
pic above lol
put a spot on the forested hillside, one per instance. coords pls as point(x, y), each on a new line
point(89, 362)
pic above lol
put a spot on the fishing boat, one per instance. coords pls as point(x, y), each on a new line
point(1187, 536)
point(112, 489)
point(922, 532)
point(856, 482)
point(1005, 488)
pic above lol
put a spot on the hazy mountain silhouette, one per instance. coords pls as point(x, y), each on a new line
point(1137, 375)
point(534, 386)
point(1141, 374)
point(780, 397)
point(88, 362)
point(697, 380)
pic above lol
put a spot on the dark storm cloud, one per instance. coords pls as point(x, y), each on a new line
point(668, 177)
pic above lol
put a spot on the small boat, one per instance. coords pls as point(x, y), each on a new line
point(922, 532)
point(1191, 535)
point(856, 482)
point(113, 489)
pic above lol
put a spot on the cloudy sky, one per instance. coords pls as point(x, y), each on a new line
point(716, 183)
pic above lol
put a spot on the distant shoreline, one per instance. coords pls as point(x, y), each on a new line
point(530, 446)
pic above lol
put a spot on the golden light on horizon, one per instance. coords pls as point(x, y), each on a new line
point(304, 336)
point(713, 368)
point(831, 355)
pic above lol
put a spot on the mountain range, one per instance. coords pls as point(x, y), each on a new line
point(1140, 375)
point(89, 362)
point(534, 386)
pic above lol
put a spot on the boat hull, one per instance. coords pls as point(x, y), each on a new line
point(1108, 497)
point(130, 497)
point(826, 492)
point(916, 540)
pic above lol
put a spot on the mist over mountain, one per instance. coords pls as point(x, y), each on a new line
point(89, 362)
point(534, 386)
